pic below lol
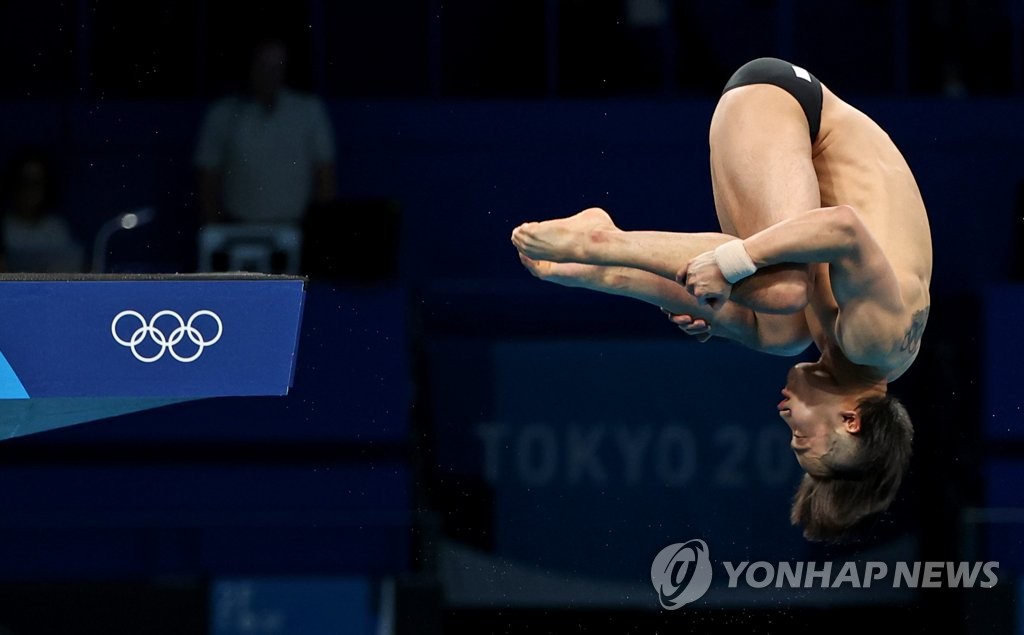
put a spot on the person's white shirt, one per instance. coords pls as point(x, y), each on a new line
point(266, 157)
point(41, 246)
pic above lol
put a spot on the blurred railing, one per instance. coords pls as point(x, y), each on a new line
point(512, 48)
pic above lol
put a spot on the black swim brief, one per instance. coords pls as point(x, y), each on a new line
point(803, 86)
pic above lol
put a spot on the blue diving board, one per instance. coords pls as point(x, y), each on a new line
point(86, 347)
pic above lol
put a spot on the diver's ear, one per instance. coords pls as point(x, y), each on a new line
point(851, 421)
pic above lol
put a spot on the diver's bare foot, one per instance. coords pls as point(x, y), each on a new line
point(567, 274)
point(564, 240)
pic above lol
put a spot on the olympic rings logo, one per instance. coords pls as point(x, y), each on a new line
point(164, 341)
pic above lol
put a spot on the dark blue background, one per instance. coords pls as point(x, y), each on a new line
point(474, 117)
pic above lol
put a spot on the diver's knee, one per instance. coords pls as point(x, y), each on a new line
point(780, 289)
point(793, 288)
point(792, 296)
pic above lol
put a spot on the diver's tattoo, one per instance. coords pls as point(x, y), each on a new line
point(912, 338)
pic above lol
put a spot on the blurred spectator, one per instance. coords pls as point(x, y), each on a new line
point(35, 237)
point(1017, 266)
point(263, 157)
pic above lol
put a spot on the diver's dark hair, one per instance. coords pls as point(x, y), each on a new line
point(862, 484)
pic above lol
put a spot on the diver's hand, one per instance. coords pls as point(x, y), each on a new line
point(698, 328)
point(704, 280)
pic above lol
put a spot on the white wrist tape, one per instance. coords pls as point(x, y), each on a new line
point(734, 261)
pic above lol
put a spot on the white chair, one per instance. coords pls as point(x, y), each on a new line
point(256, 248)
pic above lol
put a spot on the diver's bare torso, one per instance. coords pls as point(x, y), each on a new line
point(857, 164)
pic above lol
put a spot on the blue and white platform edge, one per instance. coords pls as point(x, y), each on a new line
point(80, 348)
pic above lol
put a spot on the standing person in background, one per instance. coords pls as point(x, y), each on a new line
point(265, 156)
point(36, 239)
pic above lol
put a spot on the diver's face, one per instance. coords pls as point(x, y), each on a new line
point(815, 408)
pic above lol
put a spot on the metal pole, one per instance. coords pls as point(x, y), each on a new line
point(83, 50)
point(551, 47)
point(434, 46)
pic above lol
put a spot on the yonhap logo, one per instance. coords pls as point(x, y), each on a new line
point(165, 343)
point(681, 573)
